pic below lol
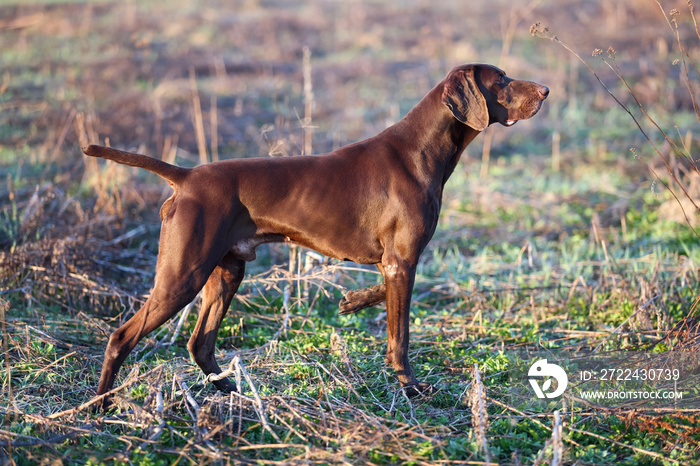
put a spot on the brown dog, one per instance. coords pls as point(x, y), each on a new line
point(372, 202)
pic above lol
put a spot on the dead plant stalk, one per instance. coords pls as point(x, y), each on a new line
point(198, 120)
point(538, 31)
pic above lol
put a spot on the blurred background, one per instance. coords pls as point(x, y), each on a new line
point(154, 76)
point(150, 75)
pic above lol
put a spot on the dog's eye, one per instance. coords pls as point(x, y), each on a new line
point(501, 80)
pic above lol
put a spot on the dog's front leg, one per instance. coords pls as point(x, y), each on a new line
point(399, 276)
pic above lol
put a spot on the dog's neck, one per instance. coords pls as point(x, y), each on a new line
point(436, 149)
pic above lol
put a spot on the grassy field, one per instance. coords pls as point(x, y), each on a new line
point(566, 234)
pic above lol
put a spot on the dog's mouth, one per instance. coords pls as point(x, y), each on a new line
point(527, 111)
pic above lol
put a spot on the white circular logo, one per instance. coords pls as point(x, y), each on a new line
point(541, 369)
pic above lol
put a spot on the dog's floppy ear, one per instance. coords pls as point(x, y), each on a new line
point(462, 96)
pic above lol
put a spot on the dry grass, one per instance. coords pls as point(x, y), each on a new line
point(338, 413)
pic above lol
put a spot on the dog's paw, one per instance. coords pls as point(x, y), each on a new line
point(356, 300)
point(225, 385)
point(349, 307)
point(103, 406)
point(420, 389)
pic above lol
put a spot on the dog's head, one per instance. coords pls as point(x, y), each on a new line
point(478, 95)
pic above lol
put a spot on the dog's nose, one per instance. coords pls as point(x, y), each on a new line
point(544, 91)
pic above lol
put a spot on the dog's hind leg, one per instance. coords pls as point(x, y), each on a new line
point(216, 299)
point(161, 305)
point(185, 263)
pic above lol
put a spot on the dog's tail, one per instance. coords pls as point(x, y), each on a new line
point(170, 172)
